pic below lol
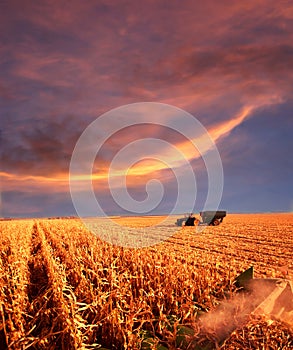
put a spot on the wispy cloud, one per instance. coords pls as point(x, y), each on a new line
point(144, 168)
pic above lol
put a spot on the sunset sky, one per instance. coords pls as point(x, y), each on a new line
point(65, 63)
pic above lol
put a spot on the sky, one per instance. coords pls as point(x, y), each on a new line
point(63, 64)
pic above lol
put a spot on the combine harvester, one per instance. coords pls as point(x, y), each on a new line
point(256, 296)
point(272, 297)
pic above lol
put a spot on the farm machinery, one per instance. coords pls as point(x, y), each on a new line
point(257, 297)
point(212, 218)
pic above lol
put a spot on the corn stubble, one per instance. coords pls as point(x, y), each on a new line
point(64, 288)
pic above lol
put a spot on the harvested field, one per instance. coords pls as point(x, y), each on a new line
point(62, 287)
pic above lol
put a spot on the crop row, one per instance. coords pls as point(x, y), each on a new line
point(62, 287)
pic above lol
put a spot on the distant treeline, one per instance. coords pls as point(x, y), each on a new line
point(49, 218)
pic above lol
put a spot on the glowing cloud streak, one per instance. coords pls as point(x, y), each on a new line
point(186, 148)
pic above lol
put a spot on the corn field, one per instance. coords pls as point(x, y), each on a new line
point(62, 287)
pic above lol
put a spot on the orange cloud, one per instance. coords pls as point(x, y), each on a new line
point(34, 184)
point(142, 169)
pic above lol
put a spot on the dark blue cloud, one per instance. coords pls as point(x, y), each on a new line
point(24, 204)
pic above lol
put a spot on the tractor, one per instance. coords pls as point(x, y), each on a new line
point(212, 218)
